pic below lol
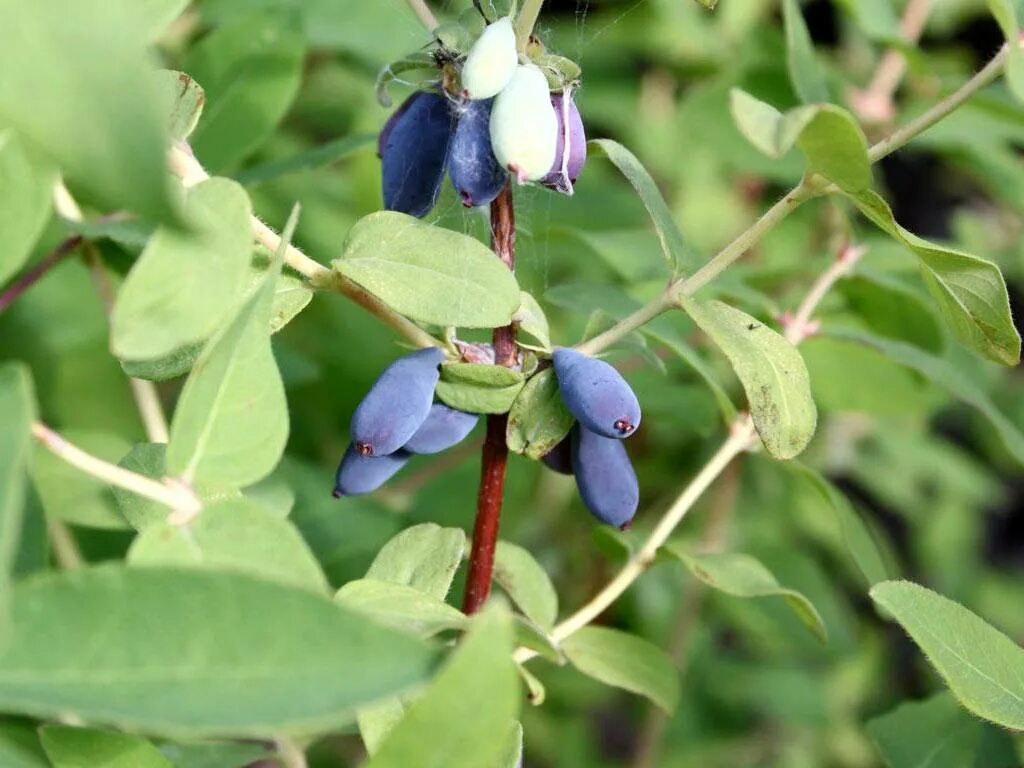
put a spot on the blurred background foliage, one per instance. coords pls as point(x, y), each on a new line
point(937, 487)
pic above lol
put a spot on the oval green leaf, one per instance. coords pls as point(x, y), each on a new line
point(424, 557)
point(538, 420)
point(527, 583)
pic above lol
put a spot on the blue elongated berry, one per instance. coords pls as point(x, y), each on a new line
point(397, 404)
point(414, 152)
point(358, 474)
point(443, 428)
point(596, 394)
point(475, 172)
point(605, 477)
point(559, 458)
point(571, 149)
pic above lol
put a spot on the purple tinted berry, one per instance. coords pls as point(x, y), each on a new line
point(605, 477)
point(397, 404)
point(559, 458)
point(575, 157)
point(443, 428)
point(358, 474)
point(475, 172)
point(414, 151)
point(596, 394)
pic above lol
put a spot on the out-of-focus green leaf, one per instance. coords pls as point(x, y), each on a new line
point(210, 662)
point(182, 100)
point(26, 189)
point(231, 423)
point(17, 411)
point(250, 68)
point(678, 254)
point(947, 376)
point(463, 718)
point(90, 72)
point(400, 607)
point(237, 534)
point(539, 419)
point(166, 367)
point(527, 583)
point(876, 17)
point(892, 309)
point(1005, 13)
point(185, 282)
point(478, 388)
point(772, 373)
point(982, 666)
point(969, 291)
point(20, 747)
point(68, 493)
point(317, 157)
point(625, 661)
point(428, 273)
point(88, 748)
point(149, 18)
point(213, 754)
point(744, 576)
point(531, 320)
point(804, 71)
point(424, 557)
point(935, 732)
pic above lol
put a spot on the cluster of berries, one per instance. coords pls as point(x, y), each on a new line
point(399, 418)
point(504, 119)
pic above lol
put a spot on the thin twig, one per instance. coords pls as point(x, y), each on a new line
point(32, 276)
point(494, 456)
point(185, 166)
point(874, 104)
point(291, 754)
point(424, 14)
point(526, 21)
point(65, 548)
point(176, 497)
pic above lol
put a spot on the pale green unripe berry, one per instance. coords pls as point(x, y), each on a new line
point(491, 61)
point(524, 127)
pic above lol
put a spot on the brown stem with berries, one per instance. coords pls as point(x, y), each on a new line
point(494, 456)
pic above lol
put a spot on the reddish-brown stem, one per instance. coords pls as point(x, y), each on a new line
point(33, 275)
point(494, 456)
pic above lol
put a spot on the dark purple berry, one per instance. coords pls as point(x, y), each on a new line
point(605, 477)
point(414, 151)
point(397, 404)
point(573, 158)
point(559, 458)
point(358, 474)
point(596, 394)
point(443, 428)
point(475, 172)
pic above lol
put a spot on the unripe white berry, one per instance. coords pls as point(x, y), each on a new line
point(491, 61)
point(524, 127)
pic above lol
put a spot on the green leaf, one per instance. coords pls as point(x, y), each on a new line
point(856, 535)
point(969, 291)
point(17, 412)
point(192, 653)
point(26, 190)
point(1005, 13)
point(312, 159)
point(536, 638)
point(479, 388)
point(424, 557)
point(512, 755)
point(184, 283)
point(463, 718)
point(428, 273)
point(829, 137)
point(149, 18)
point(251, 68)
point(772, 373)
point(538, 420)
point(744, 576)
point(876, 17)
point(982, 666)
point(678, 253)
point(166, 367)
point(892, 309)
point(948, 377)
point(625, 661)
point(69, 494)
point(98, 78)
point(236, 534)
point(804, 71)
point(934, 733)
point(531, 320)
point(417, 61)
point(87, 748)
point(183, 99)
point(150, 459)
point(20, 747)
point(292, 294)
point(231, 422)
point(401, 607)
point(212, 754)
point(527, 583)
